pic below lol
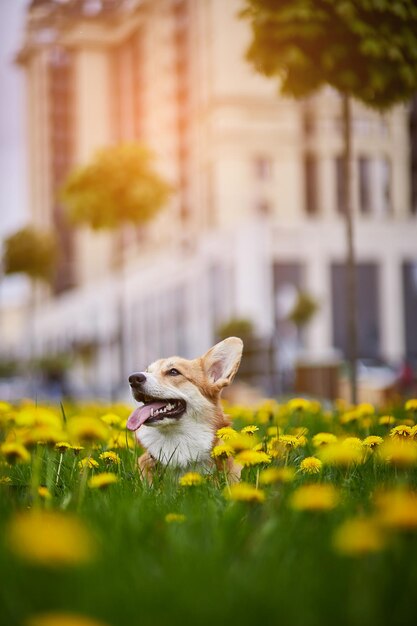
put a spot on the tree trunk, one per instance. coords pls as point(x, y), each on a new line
point(352, 331)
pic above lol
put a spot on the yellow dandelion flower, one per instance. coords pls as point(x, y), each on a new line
point(365, 408)
point(272, 431)
point(338, 454)
point(352, 442)
point(87, 463)
point(176, 518)
point(111, 419)
point(223, 451)
point(121, 441)
point(323, 439)
point(242, 442)
point(263, 416)
point(402, 430)
point(314, 498)
point(290, 442)
point(411, 405)
point(399, 452)
point(259, 447)
point(77, 449)
point(15, 453)
point(62, 619)
point(100, 481)
point(244, 492)
point(315, 406)
point(250, 430)
point(39, 417)
point(311, 465)
point(6, 419)
point(341, 405)
point(240, 412)
point(227, 433)
point(110, 457)
point(62, 446)
point(50, 538)
point(367, 422)
point(275, 449)
point(191, 479)
point(299, 404)
point(87, 429)
point(358, 536)
point(269, 404)
point(252, 457)
point(46, 435)
point(5, 480)
point(386, 420)
point(299, 431)
point(350, 416)
point(372, 442)
point(44, 493)
point(398, 509)
point(274, 475)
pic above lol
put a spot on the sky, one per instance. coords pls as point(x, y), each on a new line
point(13, 175)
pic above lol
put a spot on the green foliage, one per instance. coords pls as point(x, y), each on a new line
point(119, 185)
point(363, 48)
point(31, 252)
point(52, 365)
point(304, 309)
point(8, 368)
point(236, 327)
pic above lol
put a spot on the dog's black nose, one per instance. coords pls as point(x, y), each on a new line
point(137, 379)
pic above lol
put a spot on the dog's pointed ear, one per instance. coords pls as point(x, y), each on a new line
point(222, 361)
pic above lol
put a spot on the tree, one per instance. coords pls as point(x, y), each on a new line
point(119, 186)
point(32, 252)
point(365, 49)
point(303, 310)
point(236, 327)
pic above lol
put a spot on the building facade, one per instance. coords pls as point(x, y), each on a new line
point(257, 213)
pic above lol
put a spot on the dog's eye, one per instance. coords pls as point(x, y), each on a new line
point(173, 372)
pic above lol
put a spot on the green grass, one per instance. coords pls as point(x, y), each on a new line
point(228, 562)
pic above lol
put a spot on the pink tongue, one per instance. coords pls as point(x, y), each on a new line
point(141, 414)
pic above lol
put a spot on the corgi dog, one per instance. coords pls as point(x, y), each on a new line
point(180, 411)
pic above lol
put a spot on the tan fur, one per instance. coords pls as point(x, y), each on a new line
point(146, 465)
point(200, 383)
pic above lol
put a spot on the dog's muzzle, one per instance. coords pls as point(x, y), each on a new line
point(137, 379)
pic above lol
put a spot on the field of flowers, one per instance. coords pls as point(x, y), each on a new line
point(321, 530)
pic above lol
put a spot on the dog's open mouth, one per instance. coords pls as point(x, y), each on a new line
point(155, 410)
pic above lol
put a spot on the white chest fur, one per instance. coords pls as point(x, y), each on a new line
point(178, 444)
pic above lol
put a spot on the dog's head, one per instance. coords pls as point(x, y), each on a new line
point(172, 388)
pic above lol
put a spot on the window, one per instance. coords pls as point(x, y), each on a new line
point(308, 122)
point(127, 88)
point(263, 167)
point(383, 186)
point(61, 132)
point(181, 13)
point(310, 184)
point(368, 311)
point(365, 185)
point(409, 272)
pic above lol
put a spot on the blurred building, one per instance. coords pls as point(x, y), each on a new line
point(258, 213)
